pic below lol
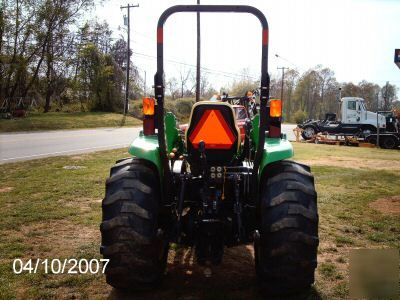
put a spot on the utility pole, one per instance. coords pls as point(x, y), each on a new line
point(377, 122)
point(198, 57)
point(128, 7)
point(145, 77)
point(339, 106)
point(283, 78)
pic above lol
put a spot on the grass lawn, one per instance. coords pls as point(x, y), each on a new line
point(48, 211)
point(64, 120)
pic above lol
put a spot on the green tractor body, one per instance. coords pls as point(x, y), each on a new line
point(211, 187)
point(147, 147)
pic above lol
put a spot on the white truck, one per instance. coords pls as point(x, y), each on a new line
point(355, 120)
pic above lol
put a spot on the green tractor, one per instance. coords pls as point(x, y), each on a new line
point(210, 189)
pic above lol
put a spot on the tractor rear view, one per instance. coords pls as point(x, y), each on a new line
point(211, 189)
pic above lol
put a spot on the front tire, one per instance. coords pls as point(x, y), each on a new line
point(366, 131)
point(287, 242)
point(308, 132)
point(131, 238)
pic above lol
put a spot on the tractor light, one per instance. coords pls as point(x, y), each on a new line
point(148, 116)
point(275, 113)
point(148, 106)
point(275, 108)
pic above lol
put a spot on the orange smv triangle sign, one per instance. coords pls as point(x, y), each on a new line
point(213, 130)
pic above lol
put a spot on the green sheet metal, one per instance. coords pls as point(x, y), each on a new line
point(146, 147)
point(171, 132)
point(275, 149)
point(255, 129)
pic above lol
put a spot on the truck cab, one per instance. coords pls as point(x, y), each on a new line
point(353, 111)
point(354, 119)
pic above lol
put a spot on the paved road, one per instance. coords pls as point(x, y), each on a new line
point(33, 145)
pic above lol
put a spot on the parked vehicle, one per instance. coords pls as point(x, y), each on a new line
point(354, 120)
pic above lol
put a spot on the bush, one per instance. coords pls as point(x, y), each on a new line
point(300, 116)
point(136, 108)
point(239, 88)
point(181, 108)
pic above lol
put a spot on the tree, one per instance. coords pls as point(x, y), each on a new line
point(34, 35)
point(184, 76)
point(118, 52)
point(204, 84)
point(350, 89)
point(388, 94)
point(307, 93)
point(100, 36)
point(370, 93)
point(327, 83)
point(240, 87)
point(316, 92)
point(101, 79)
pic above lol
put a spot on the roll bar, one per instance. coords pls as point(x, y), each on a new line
point(159, 76)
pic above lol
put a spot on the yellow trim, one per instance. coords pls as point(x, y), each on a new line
point(214, 103)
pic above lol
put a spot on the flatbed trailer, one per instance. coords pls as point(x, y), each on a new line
point(339, 140)
point(387, 140)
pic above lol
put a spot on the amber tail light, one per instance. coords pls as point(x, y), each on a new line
point(148, 116)
point(275, 108)
point(275, 114)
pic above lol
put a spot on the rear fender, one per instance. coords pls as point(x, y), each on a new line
point(275, 149)
point(146, 147)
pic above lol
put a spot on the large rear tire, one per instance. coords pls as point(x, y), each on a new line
point(131, 237)
point(287, 242)
point(389, 142)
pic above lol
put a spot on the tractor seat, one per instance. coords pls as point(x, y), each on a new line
point(214, 123)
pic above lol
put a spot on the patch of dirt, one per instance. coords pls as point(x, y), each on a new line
point(6, 189)
point(83, 203)
point(80, 157)
point(74, 167)
point(54, 239)
point(235, 278)
point(387, 206)
point(354, 163)
point(329, 253)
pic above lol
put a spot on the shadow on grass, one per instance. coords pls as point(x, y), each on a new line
point(234, 279)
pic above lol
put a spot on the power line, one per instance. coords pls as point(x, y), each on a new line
point(143, 35)
point(207, 70)
point(278, 56)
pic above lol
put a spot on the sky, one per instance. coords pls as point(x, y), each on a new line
point(354, 38)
